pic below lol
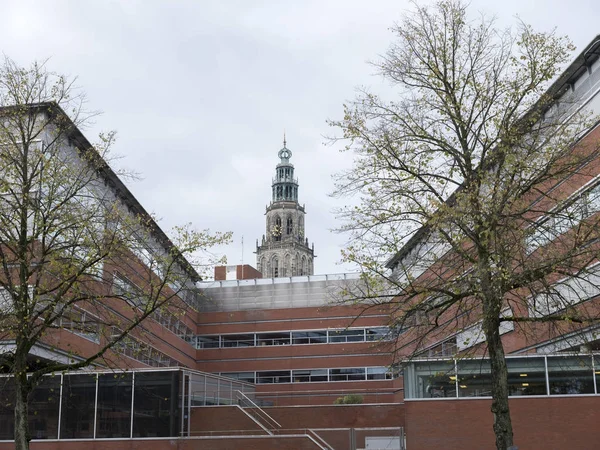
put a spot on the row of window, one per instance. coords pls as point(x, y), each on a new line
point(540, 375)
point(136, 298)
point(371, 334)
point(81, 323)
point(549, 228)
point(314, 375)
point(140, 351)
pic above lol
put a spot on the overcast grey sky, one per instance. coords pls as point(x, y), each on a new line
point(201, 91)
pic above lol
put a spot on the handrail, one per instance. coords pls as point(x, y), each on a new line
point(265, 416)
point(321, 441)
point(254, 419)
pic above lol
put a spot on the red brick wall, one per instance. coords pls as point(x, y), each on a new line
point(338, 416)
point(538, 423)
point(243, 272)
point(222, 418)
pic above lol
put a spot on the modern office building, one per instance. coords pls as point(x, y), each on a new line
point(296, 340)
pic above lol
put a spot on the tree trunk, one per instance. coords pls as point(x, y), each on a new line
point(500, 409)
point(21, 411)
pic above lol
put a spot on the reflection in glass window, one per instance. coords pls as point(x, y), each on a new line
point(113, 417)
point(474, 378)
point(347, 335)
point(309, 375)
point(207, 342)
point(377, 334)
point(309, 337)
point(349, 374)
point(43, 408)
point(156, 411)
point(526, 376)
point(273, 376)
point(237, 340)
point(7, 408)
point(247, 377)
point(570, 375)
point(379, 373)
point(78, 398)
point(273, 338)
point(430, 379)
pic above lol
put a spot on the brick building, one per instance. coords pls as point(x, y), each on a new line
point(197, 377)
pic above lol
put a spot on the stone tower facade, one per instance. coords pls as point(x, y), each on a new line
point(284, 250)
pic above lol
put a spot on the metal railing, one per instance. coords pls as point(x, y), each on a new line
point(259, 414)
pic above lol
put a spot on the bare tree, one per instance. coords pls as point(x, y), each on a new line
point(77, 252)
point(468, 181)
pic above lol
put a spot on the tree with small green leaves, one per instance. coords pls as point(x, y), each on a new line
point(461, 214)
point(77, 252)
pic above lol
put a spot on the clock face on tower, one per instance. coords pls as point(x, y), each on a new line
point(276, 231)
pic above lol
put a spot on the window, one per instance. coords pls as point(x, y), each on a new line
point(309, 337)
point(207, 341)
point(289, 226)
point(81, 323)
point(570, 375)
point(247, 377)
point(156, 411)
point(377, 334)
point(350, 374)
point(114, 405)
point(273, 338)
point(237, 340)
point(562, 220)
point(347, 335)
point(294, 337)
point(379, 373)
point(273, 376)
point(309, 375)
point(78, 398)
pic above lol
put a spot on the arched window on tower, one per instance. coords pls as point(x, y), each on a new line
point(303, 266)
point(275, 267)
point(286, 270)
point(300, 228)
point(289, 226)
point(263, 265)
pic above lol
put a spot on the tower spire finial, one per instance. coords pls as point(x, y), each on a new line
point(284, 142)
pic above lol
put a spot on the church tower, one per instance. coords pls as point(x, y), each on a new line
point(284, 251)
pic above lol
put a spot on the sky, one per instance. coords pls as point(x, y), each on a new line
point(201, 92)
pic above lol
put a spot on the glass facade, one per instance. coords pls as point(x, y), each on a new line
point(156, 411)
point(78, 400)
point(430, 379)
point(113, 410)
point(117, 405)
point(44, 407)
point(7, 408)
point(527, 375)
